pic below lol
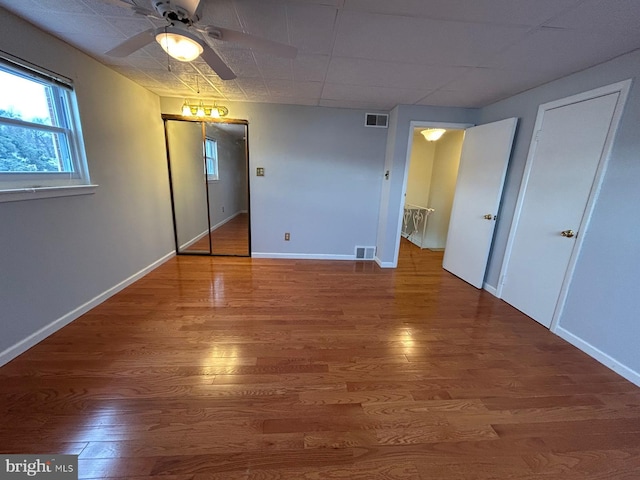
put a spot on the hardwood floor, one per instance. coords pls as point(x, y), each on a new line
point(232, 238)
point(238, 368)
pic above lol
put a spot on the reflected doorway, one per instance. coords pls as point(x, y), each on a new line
point(208, 163)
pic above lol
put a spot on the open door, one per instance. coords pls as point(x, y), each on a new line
point(483, 166)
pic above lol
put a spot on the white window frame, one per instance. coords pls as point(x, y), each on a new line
point(28, 185)
point(211, 162)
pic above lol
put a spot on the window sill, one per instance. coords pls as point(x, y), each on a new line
point(34, 193)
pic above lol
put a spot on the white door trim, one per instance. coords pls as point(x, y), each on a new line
point(413, 124)
point(623, 89)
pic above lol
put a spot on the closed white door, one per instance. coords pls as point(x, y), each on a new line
point(564, 158)
point(483, 164)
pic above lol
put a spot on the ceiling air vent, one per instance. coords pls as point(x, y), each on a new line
point(379, 120)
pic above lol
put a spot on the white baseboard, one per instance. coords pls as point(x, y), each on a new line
point(492, 290)
point(204, 234)
point(228, 219)
point(25, 344)
point(606, 360)
point(186, 245)
point(304, 256)
point(382, 264)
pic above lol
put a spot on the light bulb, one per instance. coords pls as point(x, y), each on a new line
point(186, 109)
point(433, 134)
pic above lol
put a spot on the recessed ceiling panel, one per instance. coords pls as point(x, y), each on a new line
point(418, 40)
point(565, 51)
point(504, 12)
point(603, 16)
point(364, 93)
point(358, 71)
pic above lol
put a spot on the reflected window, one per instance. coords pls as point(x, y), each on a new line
point(211, 158)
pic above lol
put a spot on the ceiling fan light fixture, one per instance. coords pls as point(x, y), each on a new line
point(433, 134)
point(179, 44)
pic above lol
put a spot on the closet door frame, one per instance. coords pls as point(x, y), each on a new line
point(203, 122)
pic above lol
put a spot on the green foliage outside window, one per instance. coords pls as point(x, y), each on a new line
point(25, 149)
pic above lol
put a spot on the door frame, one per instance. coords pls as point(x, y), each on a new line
point(413, 124)
point(622, 88)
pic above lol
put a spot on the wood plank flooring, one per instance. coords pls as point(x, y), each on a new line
point(232, 238)
point(238, 368)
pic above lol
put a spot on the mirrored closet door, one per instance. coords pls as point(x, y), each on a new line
point(208, 173)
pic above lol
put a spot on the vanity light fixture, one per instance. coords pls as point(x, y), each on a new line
point(201, 109)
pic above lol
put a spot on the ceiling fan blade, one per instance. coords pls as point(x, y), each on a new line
point(197, 14)
point(251, 41)
point(217, 64)
point(132, 44)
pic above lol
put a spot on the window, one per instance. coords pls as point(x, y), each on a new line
point(40, 143)
point(211, 158)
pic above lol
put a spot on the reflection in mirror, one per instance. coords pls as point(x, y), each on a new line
point(227, 187)
point(208, 166)
point(184, 144)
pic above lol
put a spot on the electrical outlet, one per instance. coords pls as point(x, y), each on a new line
point(222, 209)
point(287, 236)
point(260, 171)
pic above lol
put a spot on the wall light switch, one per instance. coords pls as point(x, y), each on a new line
point(260, 171)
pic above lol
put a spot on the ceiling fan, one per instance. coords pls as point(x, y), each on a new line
point(183, 39)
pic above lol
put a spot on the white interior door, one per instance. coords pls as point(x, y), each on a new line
point(483, 165)
point(564, 158)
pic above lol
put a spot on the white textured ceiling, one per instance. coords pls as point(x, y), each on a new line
point(363, 53)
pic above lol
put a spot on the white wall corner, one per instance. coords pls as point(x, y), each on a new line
point(599, 355)
point(25, 344)
point(382, 264)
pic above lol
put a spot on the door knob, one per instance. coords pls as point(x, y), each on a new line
point(568, 233)
point(488, 216)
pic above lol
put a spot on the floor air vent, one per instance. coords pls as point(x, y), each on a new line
point(365, 253)
point(380, 120)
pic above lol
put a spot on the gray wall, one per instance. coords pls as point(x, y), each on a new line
point(60, 253)
point(603, 304)
point(323, 170)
